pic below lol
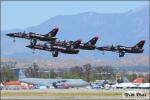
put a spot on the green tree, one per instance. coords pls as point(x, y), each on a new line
point(52, 74)
point(7, 74)
point(141, 75)
point(147, 78)
point(87, 70)
point(132, 77)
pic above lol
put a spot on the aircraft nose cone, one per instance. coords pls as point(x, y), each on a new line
point(100, 48)
point(29, 46)
point(10, 34)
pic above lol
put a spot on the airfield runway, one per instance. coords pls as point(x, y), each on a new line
point(66, 94)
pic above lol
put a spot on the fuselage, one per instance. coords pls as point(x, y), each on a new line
point(87, 47)
point(132, 50)
point(31, 35)
point(121, 49)
point(54, 48)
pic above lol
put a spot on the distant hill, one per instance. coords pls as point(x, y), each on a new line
point(126, 28)
point(135, 68)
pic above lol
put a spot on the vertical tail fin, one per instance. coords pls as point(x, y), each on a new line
point(93, 41)
point(140, 44)
point(52, 33)
point(19, 73)
point(76, 44)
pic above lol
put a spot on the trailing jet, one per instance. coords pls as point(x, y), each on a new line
point(138, 48)
point(56, 47)
point(90, 45)
point(34, 37)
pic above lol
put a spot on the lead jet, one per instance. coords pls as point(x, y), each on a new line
point(33, 37)
point(57, 46)
point(90, 45)
point(138, 48)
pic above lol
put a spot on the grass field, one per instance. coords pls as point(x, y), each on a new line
point(63, 93)
point(60, 92)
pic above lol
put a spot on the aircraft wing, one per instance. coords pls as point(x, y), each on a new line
point(39, 46)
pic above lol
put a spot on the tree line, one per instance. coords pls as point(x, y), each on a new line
point(86, 72)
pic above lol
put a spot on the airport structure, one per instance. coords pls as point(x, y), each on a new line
point(39, 83)
point(50, 82)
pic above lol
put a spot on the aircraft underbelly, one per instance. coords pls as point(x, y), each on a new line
point(87, 48)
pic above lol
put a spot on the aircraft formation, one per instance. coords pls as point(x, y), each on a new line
point(71, 47)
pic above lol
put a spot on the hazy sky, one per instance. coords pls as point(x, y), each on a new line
point(22, 14)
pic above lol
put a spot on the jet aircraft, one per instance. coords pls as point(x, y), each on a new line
point(90, 45)
point(68, 47)
point(33, 37)
point(71, 47)
point(138, 48)
point(58, 46)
